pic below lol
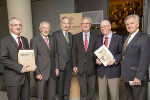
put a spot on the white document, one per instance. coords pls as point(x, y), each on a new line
point(27, 57)
point(104, 55)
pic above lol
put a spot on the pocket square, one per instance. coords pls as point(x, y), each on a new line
point(134, 45)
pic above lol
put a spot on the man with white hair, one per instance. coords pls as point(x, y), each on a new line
point(135, 60)
point(16, 76)
point(109, 75)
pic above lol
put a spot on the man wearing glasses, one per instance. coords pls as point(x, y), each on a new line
point(16, 76)
point(83, 59)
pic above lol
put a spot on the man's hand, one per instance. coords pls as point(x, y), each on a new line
point(39, 77)
point(98, 61)
point(75, 69)
point(34, 68)
point(57, 72)
point(25, 69)
point(137, 81)
point(113, 61)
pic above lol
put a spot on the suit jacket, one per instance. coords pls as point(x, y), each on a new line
point(80, 57)
point(44, 56)
point(9, 58)
point(63, 50)
point(135, 60)
point(115, 47)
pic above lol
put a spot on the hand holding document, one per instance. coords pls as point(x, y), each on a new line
point(27, 58)
point(104, 55)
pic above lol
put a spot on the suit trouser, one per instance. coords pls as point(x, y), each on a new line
point(64, 82)
point(113, 85)
point(136, 92)
point(87, 86)
point(21, 92)
point(49, 85)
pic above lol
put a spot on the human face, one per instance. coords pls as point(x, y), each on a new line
point(15, 26)
point(131, 25)
point(105, 28)
point(86, 25)
point(45, 29)
point(65, 24)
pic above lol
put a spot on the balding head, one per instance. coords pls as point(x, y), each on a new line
point(105, 27)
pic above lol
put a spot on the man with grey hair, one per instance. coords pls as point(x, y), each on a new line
point(63, 58)
point(109, 76)
point(44, 49)
point(83, 59)
point(16, 76)
point(135, 60)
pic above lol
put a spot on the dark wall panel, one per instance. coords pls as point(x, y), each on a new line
point(92, 5)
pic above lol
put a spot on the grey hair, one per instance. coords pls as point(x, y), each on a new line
point(106, 21)
point(64, 18)
point(86, 18)
point(13, 19)
point(44, 22)
point(132, 16)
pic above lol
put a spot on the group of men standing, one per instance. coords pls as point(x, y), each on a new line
point(58, 54)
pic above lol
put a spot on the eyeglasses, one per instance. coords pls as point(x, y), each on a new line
point(15, 25)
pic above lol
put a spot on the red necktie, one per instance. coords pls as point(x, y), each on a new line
point(106, 41)
point(20, 44)
point(46, 39)
point(85, 43)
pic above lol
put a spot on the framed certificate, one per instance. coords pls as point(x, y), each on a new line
point(104, 55)
point(27, 57)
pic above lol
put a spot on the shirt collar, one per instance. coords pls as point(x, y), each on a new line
point(109, 36)
point(64, 32)
point(133, 34)
point(44, 37)
point(15, 36)
point(88, 34)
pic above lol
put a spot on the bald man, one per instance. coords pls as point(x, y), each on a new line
point(109, 75)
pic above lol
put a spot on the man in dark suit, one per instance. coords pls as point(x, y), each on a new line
point(63, 59)
point(135, 60)
point(44, 49)
point(109, 75)
point(83, 59)
point(16, 76)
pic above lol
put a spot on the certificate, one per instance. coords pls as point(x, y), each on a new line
point(104, 55)
point(27, 57)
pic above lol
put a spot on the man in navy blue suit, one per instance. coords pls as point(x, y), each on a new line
point(109, 75)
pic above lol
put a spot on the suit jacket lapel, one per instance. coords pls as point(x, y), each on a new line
point(13, 41)
point(50, 42)
point(133, 40)
point(90, 41)
point(43, 42)
point(23, 42)
point(81, 40)
point(112, 42)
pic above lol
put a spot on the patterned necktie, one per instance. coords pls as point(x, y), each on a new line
point(66, 37)
point(106, 41)
point(126, 43)
point(20, 44)
point(46, 39)
point(85, 43)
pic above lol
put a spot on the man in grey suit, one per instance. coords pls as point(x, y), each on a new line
point(63, 59)
point(16, 76)
point(83, 59)
point(44, 49)
point(135, 60)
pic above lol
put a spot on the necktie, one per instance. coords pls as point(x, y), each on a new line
point(20, 44)
point(106, 41)
point(126, 43)
point(66, 37)
point(46, 39)
point(85, 43)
